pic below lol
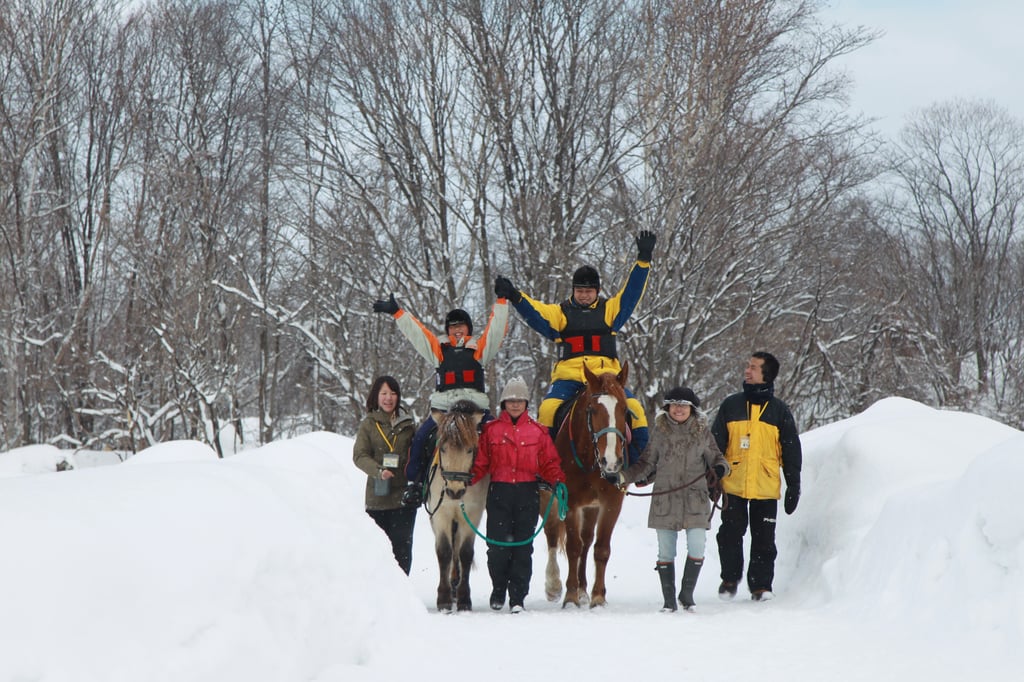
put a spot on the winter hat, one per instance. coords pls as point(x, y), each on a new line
point(586, 276)
point(681, 395)
point(515, 389)
point(458, 316)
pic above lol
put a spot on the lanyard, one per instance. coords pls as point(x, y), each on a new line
point(391, 446)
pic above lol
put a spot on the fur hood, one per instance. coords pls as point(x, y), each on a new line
point(690, 431)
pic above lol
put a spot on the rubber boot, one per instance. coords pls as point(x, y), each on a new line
point(667, 572)
point(691, 569)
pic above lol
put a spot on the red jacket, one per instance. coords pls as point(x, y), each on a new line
point(517, 453)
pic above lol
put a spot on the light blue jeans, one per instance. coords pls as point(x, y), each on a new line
point(696, 541)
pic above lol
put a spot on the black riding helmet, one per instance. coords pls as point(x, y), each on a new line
point(458, 316)
point(586, 276)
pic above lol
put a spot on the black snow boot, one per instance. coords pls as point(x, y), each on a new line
point(691, 569)
point(667, 572)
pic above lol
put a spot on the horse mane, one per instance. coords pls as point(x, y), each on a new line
point(458, 425)
point(607, 382)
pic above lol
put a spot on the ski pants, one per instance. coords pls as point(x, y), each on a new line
point(564, 389)
point(398, 525)
point(760, 515)
point(512, 516)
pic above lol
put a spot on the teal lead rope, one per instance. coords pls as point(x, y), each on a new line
point(561, 492)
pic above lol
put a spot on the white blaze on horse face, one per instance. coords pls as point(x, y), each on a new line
point(611, 457)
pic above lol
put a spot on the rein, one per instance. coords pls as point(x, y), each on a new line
point(666, 492)
point(714, 492)
point(561, 492)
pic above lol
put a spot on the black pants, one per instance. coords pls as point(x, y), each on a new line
point(398, 525)
point(512, 510)
point(761, 516)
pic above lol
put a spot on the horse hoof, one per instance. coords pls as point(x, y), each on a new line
point(598, 601)
point(553, 595)
point(465, 607)
point(444, 608)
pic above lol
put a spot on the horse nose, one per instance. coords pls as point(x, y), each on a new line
point(455, 494)
point(611, 466)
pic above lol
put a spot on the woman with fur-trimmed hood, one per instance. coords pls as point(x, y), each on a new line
point(679, 455)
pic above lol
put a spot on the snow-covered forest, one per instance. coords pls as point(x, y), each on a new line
point(199, 201)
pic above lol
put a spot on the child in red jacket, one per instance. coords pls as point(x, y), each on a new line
point(517, 452)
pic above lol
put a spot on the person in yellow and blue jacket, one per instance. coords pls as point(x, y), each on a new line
point(758, 436)
point(585, 329)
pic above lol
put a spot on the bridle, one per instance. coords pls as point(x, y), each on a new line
point(448, 476)
point(455, 476)
point(595, 436)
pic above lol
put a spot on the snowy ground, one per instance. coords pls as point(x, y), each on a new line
point(904, 561)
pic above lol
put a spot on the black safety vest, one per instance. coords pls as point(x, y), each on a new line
point(459, 369)
point(585, 332)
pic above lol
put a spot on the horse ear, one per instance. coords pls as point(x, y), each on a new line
point(589, 378)
point(624, 373)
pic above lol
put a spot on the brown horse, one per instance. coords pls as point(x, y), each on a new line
point(591, 442)
point(447, 493)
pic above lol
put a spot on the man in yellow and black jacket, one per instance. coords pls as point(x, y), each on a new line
point(758, 435)
point(585, 328)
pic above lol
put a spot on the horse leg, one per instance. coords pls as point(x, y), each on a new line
point(465, 561)
point(553, 531)
point(603, 550)
point(443, 546)
point(587, 525)
point(573, 549)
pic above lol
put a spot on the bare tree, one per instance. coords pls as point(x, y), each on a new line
point(960, 167)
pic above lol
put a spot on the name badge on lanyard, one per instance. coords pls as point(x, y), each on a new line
point(745, 442)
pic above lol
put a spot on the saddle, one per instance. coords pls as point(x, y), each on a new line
point(562, 413)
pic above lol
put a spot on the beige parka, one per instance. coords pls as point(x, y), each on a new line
point(677, 454)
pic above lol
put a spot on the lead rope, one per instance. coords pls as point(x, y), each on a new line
point(714, 493)
point(561, 492)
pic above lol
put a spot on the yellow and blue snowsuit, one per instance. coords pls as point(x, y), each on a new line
point(587, 336)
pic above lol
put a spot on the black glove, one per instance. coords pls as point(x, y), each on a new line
point(543, 485)
point(389, 306)
point(645, 246)
point(792, 497)
point(412, 496)
point(720, 471)
point(503, 288)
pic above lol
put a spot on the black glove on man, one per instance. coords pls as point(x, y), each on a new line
point(389, 306)
point(645, 246)
point(503, 288)
point(792, 497)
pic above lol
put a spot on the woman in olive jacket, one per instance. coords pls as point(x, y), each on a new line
point(680, 453)
point(381, 450)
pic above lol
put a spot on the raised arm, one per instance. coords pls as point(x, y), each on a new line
point(422, 339)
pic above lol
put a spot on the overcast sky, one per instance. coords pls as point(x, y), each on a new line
point(933, 51)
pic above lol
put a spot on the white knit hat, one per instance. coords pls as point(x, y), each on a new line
point(515, 389)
